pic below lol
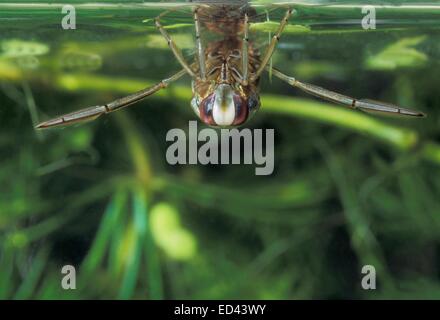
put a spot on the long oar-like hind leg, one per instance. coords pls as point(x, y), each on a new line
point(365, 105)
point(96, 111)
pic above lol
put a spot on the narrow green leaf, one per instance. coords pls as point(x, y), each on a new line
point(30, 282)
point(101, 242)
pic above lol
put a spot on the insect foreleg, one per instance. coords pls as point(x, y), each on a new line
point(270, 50)
point(177, 53)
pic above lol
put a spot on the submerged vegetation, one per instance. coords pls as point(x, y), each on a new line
point(349, 188)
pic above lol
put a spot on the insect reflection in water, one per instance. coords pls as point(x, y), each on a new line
point(225, 73)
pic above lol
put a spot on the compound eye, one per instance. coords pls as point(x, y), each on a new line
point(253, 103)
point(195, 102)
point(241, 110)
point(205, 109)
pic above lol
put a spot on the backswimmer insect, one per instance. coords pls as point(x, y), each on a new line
point(226, 73)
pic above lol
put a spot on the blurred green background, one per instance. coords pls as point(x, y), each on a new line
point(349, 189)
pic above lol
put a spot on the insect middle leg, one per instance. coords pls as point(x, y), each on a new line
point(245, 51)
point(270, 50)
point(200, 51)
point(177, 53)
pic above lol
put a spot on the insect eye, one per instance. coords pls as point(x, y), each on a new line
point(253, 103)
point(205, 108)
point(195, 102)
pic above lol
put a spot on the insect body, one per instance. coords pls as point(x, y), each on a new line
point(226, 73)
point(223, 98)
